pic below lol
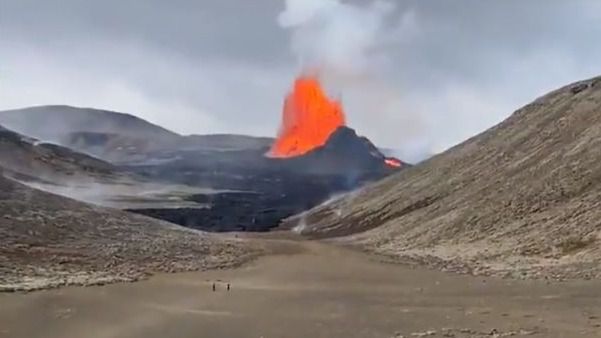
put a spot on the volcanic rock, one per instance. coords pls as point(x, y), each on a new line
point(344, 153)
point(523, 197)
point(272, 189)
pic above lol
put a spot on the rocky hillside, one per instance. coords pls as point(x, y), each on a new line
point(521, 199)
point(48, 240)
point(29, 159)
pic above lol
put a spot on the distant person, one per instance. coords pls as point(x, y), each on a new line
point(213, 287)
point(228, 286)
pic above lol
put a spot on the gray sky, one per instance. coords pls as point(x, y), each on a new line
point(415, 75)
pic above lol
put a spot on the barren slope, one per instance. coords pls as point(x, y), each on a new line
point(55, 122)
point(48, 240)
point(31, 159)
point(523, 198)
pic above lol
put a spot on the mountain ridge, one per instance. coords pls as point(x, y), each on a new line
point(113, 136)
point(28, 157)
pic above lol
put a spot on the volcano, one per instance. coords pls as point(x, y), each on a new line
point(249, 183)
point(345, 154)
point(311, 121)
point(314, 157)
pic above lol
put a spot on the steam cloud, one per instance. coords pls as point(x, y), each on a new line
point(347, 44)
point(333, 36)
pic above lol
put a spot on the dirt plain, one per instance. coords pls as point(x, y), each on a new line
point(309, 289)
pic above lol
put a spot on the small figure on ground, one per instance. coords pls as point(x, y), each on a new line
point(213, 287)
point(228, 286)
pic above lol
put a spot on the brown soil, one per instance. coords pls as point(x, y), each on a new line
point(309, 289)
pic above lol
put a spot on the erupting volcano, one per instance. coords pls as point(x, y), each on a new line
point(309, 118)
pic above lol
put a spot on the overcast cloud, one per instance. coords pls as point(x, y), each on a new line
point(415, 75)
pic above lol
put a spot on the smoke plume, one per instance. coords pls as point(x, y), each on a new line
point(335, 37)
point(348, 44)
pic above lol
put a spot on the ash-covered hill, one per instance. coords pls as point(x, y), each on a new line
point(523, 198)
point(113, 136)
point(48, 240)
point(53, 123)
point(65, 172)
point(29, 159)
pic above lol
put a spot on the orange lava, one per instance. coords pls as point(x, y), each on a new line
point(309, 118)
point(393, 162)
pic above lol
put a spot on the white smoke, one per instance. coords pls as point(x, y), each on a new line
point(335, 37)
point(301, 226)
point(352, 47)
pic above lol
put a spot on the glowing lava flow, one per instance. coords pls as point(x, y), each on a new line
point(393, 162)
point(309, 118)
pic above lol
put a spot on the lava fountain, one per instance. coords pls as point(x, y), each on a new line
point(309, 118)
